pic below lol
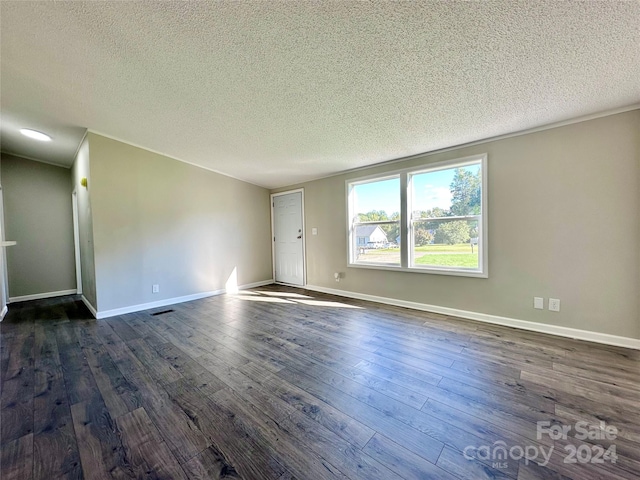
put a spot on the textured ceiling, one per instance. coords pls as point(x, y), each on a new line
point(280, 92)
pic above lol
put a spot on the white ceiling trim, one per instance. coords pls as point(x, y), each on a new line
point(39, 160)
point(541, 128)
point(172, 157)
point(584, 118)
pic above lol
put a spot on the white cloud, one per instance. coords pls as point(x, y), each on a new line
point(434, 197)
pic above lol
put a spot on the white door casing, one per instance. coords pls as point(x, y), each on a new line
point(288, 237)
point(4, 285)
point(76, 241)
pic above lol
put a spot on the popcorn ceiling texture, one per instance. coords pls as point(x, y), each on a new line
point(277, 93)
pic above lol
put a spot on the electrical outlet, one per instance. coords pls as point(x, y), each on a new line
point(554, 304)
point(538, 302)
point(155, 289)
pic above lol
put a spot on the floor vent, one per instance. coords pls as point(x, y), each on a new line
point(161, 313)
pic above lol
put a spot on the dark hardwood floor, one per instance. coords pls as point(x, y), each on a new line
point(281, 383)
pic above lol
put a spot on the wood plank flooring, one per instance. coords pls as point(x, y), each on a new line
point(281, 383)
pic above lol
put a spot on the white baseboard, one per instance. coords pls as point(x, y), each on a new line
point(39, 296)
point(169, 301)
point(587, 335)
point(4, 311)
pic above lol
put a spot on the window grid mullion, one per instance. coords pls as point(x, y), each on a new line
point(446, 219)
point(381, 222)
point(405, 238)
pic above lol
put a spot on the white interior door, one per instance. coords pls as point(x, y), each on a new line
point(288, 238)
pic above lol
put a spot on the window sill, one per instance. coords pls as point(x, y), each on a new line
point(432, 271)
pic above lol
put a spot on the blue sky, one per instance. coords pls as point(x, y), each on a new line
point(430, 190)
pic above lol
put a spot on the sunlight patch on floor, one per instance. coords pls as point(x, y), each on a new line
point(262, 299)
point(323, 303)
point(283, 294)
point(290, 298)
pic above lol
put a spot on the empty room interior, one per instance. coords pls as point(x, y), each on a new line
point(320, 240)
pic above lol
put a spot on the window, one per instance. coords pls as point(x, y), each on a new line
point(375, 226)
point(430, 219)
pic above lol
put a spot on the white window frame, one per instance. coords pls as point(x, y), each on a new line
point(351, 225)
point(406, 222)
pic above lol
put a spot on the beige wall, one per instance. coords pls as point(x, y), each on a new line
point(81, 169)
point(38, 215)
point(160, 221)
point(564, 222)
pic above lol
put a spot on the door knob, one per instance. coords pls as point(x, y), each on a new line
point(300, 236)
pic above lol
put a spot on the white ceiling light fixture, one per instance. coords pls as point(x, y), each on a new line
point(43, 137)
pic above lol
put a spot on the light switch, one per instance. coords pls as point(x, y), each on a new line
point(314, 231)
